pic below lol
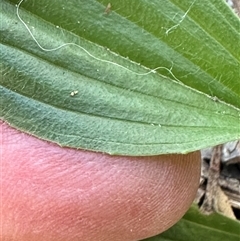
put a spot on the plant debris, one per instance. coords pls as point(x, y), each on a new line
point(219, 188)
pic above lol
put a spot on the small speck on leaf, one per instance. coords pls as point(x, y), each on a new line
point(73, 93)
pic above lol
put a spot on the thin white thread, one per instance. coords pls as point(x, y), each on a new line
point(94, 57)
point(182, 18)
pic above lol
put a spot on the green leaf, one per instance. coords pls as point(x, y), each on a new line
point(119, 105)
point(198, 227)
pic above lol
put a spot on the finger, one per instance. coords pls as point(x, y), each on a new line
point(53, 193)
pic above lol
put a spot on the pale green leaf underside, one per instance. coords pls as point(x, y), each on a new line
point(117, 110)
point(195, 226)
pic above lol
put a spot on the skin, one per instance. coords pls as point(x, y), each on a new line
point(54, 193)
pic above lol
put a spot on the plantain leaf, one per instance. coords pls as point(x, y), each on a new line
point(139, 78)
point(198, 227)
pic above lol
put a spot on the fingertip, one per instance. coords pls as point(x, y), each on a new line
point(53, 193)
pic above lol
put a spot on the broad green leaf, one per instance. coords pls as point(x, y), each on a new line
point(198, 227)
point(120, 106)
